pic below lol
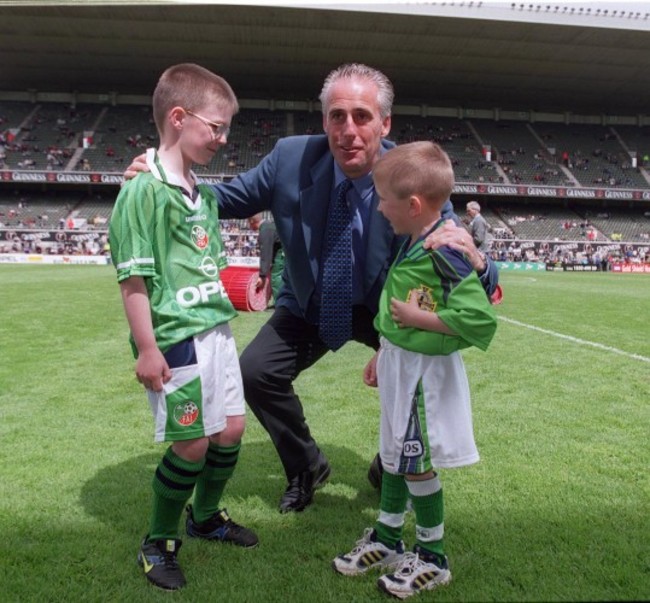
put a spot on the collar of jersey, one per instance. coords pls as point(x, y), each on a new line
point(416, 251)
point(155, 165)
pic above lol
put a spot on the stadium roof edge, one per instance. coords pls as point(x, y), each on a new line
point(616, 15)
point(283, 50)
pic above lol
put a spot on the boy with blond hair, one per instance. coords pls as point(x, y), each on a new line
point(167, 249)
point(432, 306)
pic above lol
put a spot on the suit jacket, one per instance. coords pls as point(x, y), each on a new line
point(294, 182)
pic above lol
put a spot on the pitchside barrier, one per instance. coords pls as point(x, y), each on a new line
point(239, 278)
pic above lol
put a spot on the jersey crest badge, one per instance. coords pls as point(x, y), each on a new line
point(199, 236)
point(425, 298)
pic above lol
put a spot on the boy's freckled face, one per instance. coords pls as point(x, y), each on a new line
point(201, 140)
point(393, 209)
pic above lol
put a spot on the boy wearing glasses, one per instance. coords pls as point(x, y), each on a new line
point(167, 249)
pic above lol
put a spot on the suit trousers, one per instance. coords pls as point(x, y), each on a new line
point(284, 347)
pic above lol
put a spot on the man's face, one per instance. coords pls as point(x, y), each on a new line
point(354, 126)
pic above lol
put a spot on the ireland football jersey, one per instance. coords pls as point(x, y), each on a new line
point(171, 238)
point(443, 282)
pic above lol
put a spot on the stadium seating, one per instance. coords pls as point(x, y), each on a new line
point(521, 153)
point(456, 137)
point(50, 134)
point(35, 210)
point(522, 156)
point(637, 140)
point(630, 225)
point(546, 222)
point(596, 156)
point(305, 122)
point(96, 210)
point(122, 133)
point(599, 156)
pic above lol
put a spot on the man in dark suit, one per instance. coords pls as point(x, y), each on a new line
point(298, 181)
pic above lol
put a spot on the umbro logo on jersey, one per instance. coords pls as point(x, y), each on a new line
point(196, 218)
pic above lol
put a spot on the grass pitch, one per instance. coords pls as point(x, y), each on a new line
point(557, 509)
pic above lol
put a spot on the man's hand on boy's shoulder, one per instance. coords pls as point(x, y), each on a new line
point(139, 164)
point(459, 239)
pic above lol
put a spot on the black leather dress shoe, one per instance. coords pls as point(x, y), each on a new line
point(375, 472)
point(300, 491)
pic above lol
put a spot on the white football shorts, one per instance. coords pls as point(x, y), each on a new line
point(205, 388)
point(426, 413)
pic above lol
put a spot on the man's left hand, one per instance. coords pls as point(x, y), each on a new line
point(457, 238)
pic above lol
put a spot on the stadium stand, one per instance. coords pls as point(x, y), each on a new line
point(305, 122)
point(637, 141)
point(103, 139)
point(546, 222)
point(36, 210)
point(593, 153)
point(122, 132)
point(521, 152)
point(622, 224)
point(522, 156)
point(456, 137)
point(95, 210)
point(49, 135)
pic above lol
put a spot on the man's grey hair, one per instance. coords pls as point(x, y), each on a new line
point(474, 205)
point(385, 95)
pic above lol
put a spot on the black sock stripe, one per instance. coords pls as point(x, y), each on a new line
point(215, 454)
point(179, 470)
point(172, 485)
point(220, 464)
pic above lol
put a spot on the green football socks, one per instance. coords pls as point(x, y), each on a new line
point(394, 495)
point(427, 500)
point(173, 484)
point(220, 462)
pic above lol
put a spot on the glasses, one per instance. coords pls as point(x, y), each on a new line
point(216, 130)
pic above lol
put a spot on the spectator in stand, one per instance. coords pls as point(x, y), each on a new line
point(478, 227)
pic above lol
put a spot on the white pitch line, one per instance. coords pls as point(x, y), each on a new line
point(592, 344)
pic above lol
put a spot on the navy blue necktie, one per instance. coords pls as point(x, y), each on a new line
point(336, 294)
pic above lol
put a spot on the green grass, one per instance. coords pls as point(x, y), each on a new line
point(557, 510)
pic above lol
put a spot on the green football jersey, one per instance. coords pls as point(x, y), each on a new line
point(171, 239)
point(445, 283)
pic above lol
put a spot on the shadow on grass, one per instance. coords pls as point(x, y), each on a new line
point(120, 495)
